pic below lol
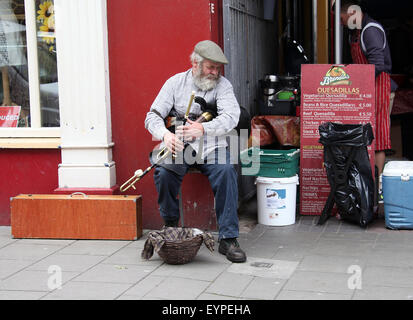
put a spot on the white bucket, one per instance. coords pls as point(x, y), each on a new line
point(276, 200)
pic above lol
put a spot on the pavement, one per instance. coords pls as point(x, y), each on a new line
point(335, 261)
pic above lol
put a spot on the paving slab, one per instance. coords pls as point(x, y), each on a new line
point(350, 248)
point(4, 241)
point(10, 267)
point(400, 240)
point(67, 262)
point(5, 232)
point(21, 295)
point(319, 258)
point(34, 280)
point(369, 292)
point(142, 288)
point(332, 225)
point(359, 236)
point(263, 288)
point(178, 289)
point(289, 238)
point(261, 250)
point(31, 252)
point(294, 252)
point(327, 282)
point(230, 284)
point(351, 228)
point(50, 242)
point(131, 255)
point(388, 276)
point(116, 273)
point(74, 290)
point(323, 263)
point(211, 296)
point(197, 269)
point(200, 270)
point(390, 257)
point(265, 268)
point(94, 247)
point(311, 295)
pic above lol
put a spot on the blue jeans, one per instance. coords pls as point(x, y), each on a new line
point(224, 183)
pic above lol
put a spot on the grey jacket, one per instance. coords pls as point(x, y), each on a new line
point(176, 93)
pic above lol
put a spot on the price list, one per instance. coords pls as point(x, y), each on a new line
point(329, 93)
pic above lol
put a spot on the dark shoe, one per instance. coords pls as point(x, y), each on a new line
point(231, 248)
point(171, 223)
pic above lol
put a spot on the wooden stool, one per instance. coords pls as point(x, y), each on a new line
point(181, 207)
point(200, 207)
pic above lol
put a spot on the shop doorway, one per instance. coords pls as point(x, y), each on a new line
point(397, 19)
point(256, 32)
point(265, 37)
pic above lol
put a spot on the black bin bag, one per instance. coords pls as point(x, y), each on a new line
point(349, 171)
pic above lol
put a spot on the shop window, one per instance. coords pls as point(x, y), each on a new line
point(29, 82)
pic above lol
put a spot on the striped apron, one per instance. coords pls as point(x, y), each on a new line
point(382, 127)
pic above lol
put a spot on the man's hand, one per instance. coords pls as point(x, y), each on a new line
point(191, 132)
point(172, 143)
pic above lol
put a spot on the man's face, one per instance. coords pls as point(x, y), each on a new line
point(206, 74)
point(210, 69)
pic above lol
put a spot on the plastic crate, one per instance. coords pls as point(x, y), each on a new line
point(270, 163)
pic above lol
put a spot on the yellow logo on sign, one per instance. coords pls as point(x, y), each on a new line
point(336, 76)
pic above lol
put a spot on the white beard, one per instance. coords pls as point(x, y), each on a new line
point(203, 82)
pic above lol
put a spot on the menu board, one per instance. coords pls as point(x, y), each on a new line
point(330, 93)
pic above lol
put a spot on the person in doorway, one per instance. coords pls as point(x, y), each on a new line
point(206, 81)
point(369, 46)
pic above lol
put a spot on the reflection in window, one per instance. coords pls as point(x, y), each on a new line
point(46, 44)
point(13, 59)
point(14, 90)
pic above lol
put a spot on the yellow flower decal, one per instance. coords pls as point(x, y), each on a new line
point(45, 10)
point(46, 20)
point(48, 40)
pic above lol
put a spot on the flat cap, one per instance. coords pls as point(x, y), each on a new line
point(211, 51)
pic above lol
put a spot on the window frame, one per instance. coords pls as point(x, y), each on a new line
point(35, 130)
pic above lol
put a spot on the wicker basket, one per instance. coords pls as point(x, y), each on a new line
point(180, 251)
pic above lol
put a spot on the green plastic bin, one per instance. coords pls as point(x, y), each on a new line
point(270, 163)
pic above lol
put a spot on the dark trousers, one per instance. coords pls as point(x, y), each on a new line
point(223, 180)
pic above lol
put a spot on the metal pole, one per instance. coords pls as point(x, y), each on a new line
point(288, 15)
point(337, 31)
point(315, 40)
point(295, 20)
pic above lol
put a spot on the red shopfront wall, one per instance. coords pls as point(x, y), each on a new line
point(149, 41)
point(26, 171)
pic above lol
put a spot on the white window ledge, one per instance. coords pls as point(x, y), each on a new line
point(30, 143)
point(29, 132)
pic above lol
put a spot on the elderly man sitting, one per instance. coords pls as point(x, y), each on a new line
point(205, 141)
